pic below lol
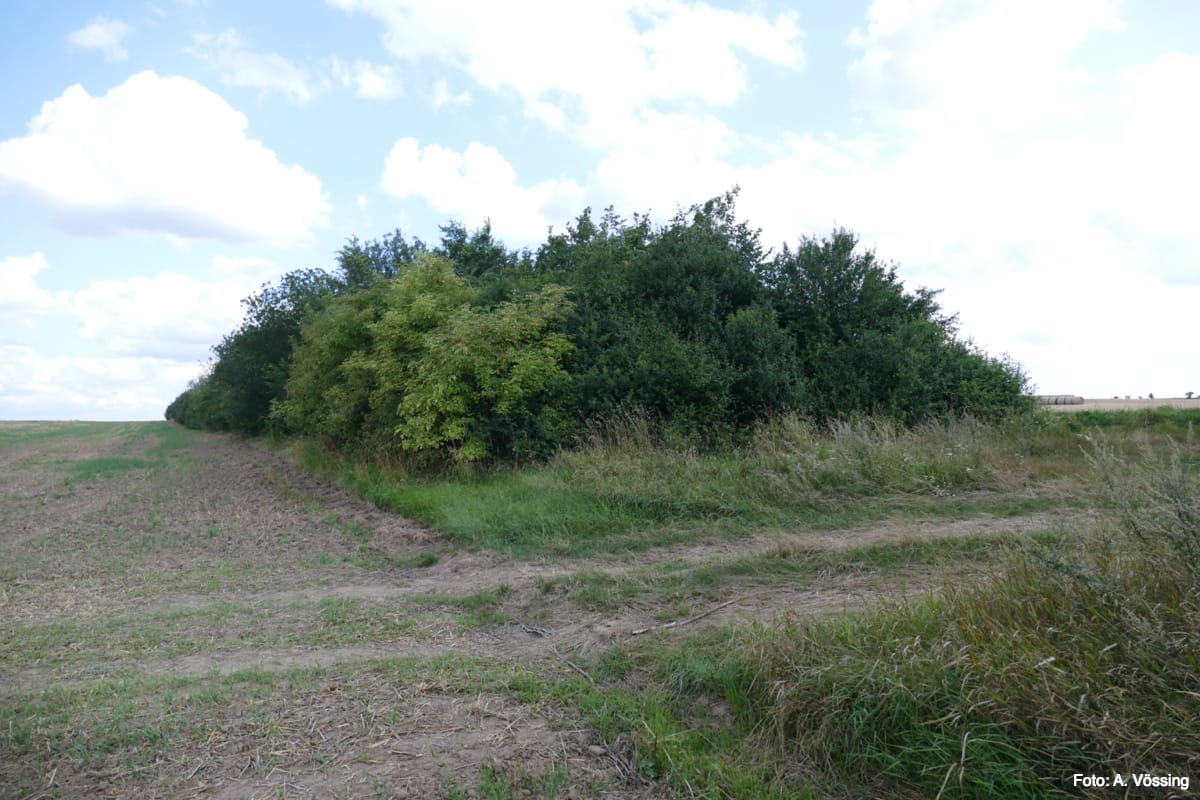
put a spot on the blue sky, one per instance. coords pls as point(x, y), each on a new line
point(160, 160)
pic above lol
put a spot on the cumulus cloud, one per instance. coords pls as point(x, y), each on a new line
point(945, 62)
point(993, 165)
point(149, 335)
point(590, 68)
point(667, 159)
point(477, 184)
point(21, 295)
point(165, 315)
point(1011, 143)
point(35, 386)
point(105, 35)
point(239, 66)
point(159, 155)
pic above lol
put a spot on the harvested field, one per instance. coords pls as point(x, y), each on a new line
point(1135, 404)
point(191, 615)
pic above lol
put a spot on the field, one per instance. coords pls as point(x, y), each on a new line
point(193, 615)
point(1132, 404)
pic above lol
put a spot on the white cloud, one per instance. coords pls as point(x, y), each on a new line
point(105, 35)
point(163, 315)
point(693, 50)
point(1051, 203)
point(19, 293)
point(668, 159)
point(942, 63)
point(160, 155)
point(34, 386)
point(241, 67)
point(590, 67)
point(369, 81)
point(987, 136)
point(1084, 317)
point(475, 185)
point(1154, 181)
point(149, 333)
point(168, 314)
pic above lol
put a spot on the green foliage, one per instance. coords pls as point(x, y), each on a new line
point(361, 264)
point(251, 364)
point(672, 321)
point(1080, 658)
point(472, 352)
point(868, 346)
point(485, 380)
point(410, 365)
point(329, 394)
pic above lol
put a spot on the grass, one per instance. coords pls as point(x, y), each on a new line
point(789, 566)
point(95, 468)
point(132, 728)
point(227, 626)
point(1043, 654)
point(25, 432)
point(628, 488)
point(1080, 659)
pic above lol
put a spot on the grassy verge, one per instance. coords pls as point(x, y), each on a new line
point(786, 567)
point(1080, 660)
point(628, 487)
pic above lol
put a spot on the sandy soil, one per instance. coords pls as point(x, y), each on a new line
point(237, 560)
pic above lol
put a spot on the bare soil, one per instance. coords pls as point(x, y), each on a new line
point(225, 562)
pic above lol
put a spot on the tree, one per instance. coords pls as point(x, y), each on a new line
point(250, 365)
point(361, 264)
point(486, 381)
point(867, 346)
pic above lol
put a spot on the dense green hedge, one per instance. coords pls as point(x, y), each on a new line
point(471, 352)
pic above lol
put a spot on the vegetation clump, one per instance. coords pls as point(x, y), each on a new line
point(471, 353)
point(1076, 660)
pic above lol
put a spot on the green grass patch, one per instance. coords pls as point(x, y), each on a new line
point(19, 432)
point(104, 467)
point(789, 566)
point(1078, 658)
point(1166, 420)
point(626, 489)
point(172, 438)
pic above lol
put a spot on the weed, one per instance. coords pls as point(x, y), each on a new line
point(629, 488)
point(1075, 658)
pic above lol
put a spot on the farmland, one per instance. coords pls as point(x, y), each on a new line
point(195, 615)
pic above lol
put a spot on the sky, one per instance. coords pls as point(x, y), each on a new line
point(1036, 161)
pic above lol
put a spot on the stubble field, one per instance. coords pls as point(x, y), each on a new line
point(191, 615)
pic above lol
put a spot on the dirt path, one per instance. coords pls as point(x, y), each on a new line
point(281, 638)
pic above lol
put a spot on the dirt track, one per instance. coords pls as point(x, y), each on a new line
point(225, 559)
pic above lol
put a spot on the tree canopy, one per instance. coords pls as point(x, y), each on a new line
point(472, 352)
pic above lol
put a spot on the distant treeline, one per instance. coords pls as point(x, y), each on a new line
point(469, 351)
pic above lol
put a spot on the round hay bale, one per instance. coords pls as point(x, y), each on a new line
point(1060, 400)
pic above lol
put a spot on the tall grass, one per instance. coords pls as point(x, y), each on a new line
point(1074, 661)
point(627, 477)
